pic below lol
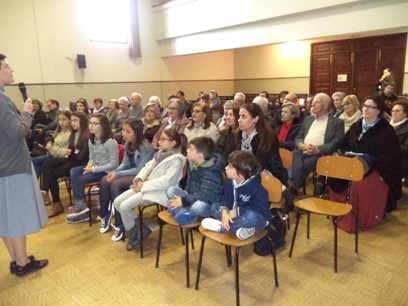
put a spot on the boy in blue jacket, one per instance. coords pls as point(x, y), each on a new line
point(244, 208)
point(204, 183)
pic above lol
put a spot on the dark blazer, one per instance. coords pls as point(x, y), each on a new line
point(39, 118)
point(334, 134)
point(289, 142)
point(402, 133)
point(381, 144)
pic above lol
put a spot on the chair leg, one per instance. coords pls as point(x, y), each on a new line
point(335, 244)
point(299, 213)
point(159, 240)
point(288, 222)
point(182, 236)
point(237, 249)
point(355, 230)
point(228, 254)
point(187, 259)
point(192, 239)
point(275, 265)
point(200, 260)
point(90, 207)
point(141, 209)
point(308, 225)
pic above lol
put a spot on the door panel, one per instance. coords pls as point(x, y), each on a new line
point(364, 77)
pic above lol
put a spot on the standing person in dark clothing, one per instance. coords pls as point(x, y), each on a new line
point(21, 205)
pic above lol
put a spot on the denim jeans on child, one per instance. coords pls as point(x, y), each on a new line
point(199, 208)
point(78, 180)
point(249, 219)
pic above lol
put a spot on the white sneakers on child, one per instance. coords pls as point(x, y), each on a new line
point(245, 233)
point(211, 224)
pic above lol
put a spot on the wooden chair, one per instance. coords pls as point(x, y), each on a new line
point(141, 210)
point(166, 218)
point(346, 168)
point(274, 188)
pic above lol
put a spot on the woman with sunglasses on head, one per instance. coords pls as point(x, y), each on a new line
point(201, 124)
point(138, 151)
point(374, 141)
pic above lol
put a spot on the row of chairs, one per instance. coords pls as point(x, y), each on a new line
point(328, 166)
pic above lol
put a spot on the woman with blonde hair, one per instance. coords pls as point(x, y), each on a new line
point(351, 111)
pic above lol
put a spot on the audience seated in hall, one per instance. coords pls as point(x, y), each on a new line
point(264, 105)
point(240, 99)
point(136, 106)
point(188, 105)
point(228, 141)
point(375, 139)
point(256, 136)
point(123, 114)
point(319, 135)
point(215, 105)
point(56, 146)
point(157, 100)
point(399, 122)
point(112, 113)
point(305, 110)
point(289, 126)
point(98, 106)
point(337, 98)
point(39, 130)
point(56, 167)
point(103, 157)
point(138, 151)
point(176, 120)
point(201, 124)
point(351, 111)
point(151, 121)
point(389, 97)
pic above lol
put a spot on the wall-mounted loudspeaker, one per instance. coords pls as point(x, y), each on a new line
point(81, 61)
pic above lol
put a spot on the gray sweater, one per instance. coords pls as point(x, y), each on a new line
point(104, 157)
point(14, 154)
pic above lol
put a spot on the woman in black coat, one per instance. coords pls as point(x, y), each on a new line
point(399, 121)
point(376, 139)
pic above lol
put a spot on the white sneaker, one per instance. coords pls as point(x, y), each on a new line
point(118, 234)
point(244, 233)
point(211, 224)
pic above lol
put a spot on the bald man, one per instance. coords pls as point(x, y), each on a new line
point(319, 135)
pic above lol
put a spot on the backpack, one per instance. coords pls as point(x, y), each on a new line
point(276, 231)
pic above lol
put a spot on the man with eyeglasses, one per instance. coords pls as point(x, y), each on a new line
point(319, 135)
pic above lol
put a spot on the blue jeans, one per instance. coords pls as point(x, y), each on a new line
point(301, 167)
point(249, 219)
point(38, 162)
point(199, 208)
point(78, 180)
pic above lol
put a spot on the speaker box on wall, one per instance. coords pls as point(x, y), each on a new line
point(81, 61)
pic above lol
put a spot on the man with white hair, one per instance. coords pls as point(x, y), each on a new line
point(319, 135)
point(240, 99)
point(137, 108)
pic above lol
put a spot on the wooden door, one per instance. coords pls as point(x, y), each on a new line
point(365, 73)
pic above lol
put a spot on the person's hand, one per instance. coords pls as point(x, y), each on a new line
point(175, 202)
point(49, 145)
point(28, 106)
point(87, 169)
point(138, 186)
point(226, 220)
point(67, 153)
point(111, 177)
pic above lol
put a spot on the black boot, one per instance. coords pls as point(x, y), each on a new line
point(289, 195)
point(133, 236)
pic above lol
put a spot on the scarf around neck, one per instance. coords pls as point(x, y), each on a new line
point(247, 139)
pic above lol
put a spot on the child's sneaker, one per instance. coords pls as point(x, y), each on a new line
point(118, 234)
point(245, 233)
point(105, 222)
point(212, 224)
point(185, 216)
point(79, 217)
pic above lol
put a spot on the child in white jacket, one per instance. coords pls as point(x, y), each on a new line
point(151, 183)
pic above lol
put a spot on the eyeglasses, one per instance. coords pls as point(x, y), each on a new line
point(163, 139)
point(172, 108)
point(93, 123)
point(370, 106)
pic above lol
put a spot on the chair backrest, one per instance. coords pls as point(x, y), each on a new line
point(340, 167)
point(121, 152)
point(286, 157)
point(273, 186)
